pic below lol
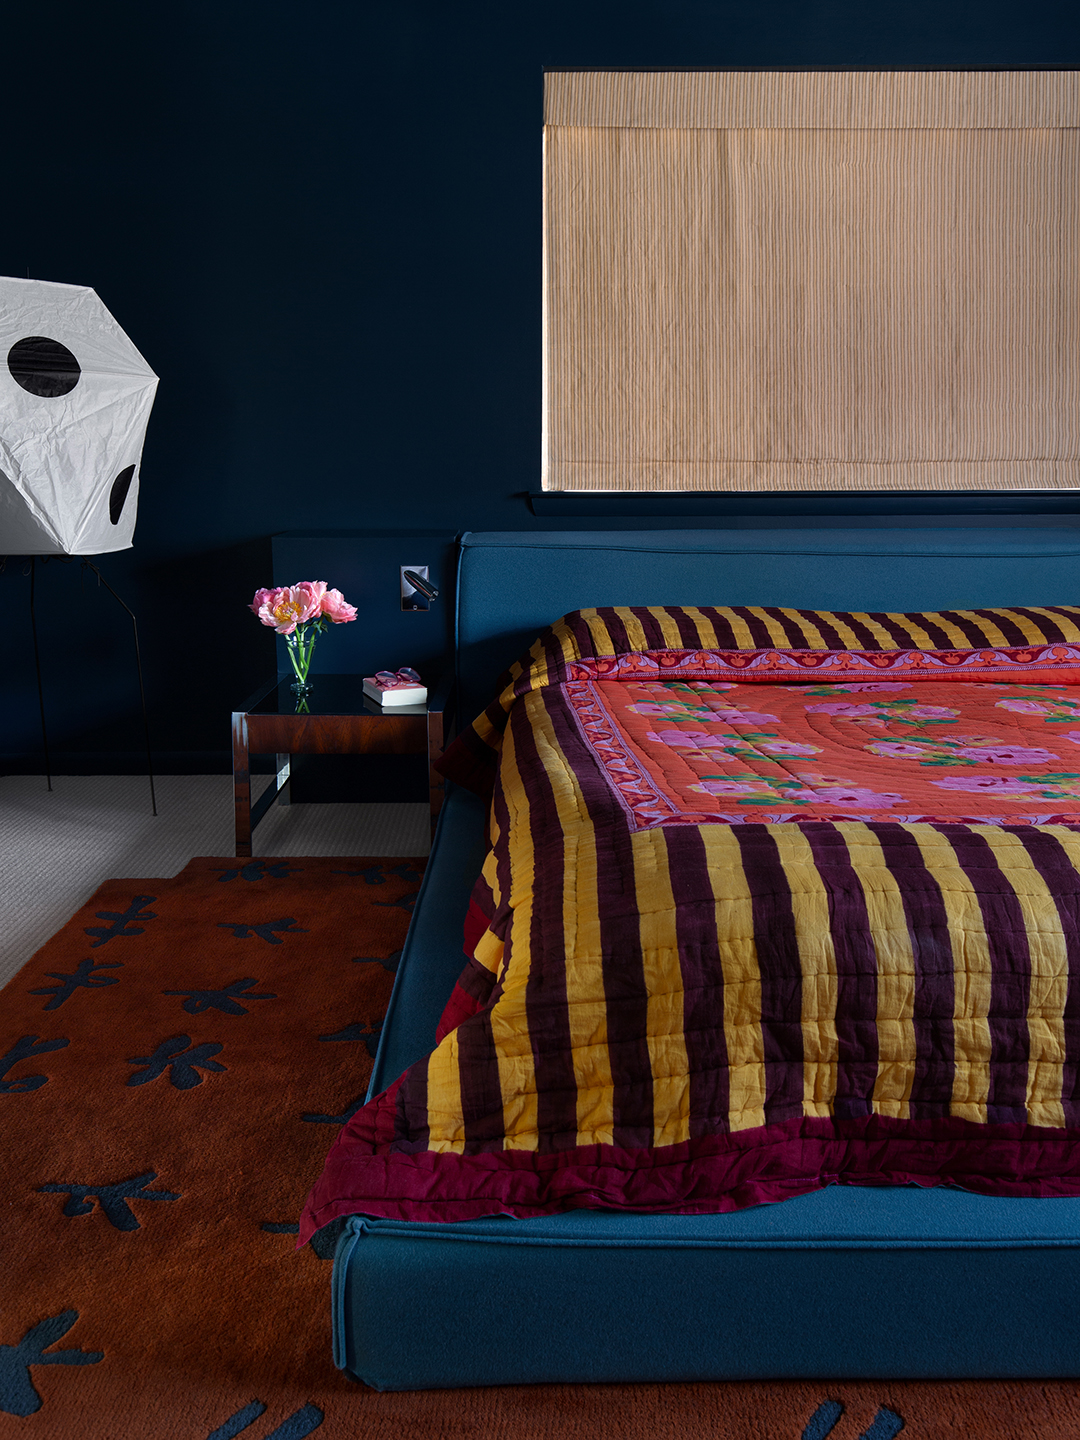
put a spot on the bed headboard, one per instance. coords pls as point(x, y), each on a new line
point(510, 584)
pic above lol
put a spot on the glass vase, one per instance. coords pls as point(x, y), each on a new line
point(301, 647)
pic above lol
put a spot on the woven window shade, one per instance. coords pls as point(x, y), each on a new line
point(812, 281)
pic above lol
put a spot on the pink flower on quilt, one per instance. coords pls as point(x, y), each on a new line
point(1073, 736)
point(701, 743)
point(683, 739)
point(744, 717)
point(898, 750)
point(990, 753)
point(760, 789)
point(842, 707)
point(838, 791)
point(667, 688)
point(876, 713)
point(856, 795)
point(726, 787)
point(1024, 707)
point(998, 784)
point(787, 747)
point(1006, 754)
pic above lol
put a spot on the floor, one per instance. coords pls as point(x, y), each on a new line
point(57, 847)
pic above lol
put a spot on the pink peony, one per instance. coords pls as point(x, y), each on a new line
point(312, 592)
point(931, 712)
point(289, 605)
point(336, 608)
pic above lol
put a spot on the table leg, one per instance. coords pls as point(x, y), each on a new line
point(284, 771)
point(241, 783)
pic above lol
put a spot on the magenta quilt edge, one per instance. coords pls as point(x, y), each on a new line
point(797, 1157)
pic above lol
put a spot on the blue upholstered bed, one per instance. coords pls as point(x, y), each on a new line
point(844, 1282)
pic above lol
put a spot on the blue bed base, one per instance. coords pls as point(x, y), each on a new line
point(845, 1283)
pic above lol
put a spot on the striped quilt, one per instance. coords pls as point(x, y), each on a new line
point(774, 899)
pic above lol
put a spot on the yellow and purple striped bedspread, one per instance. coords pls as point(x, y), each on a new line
point(773, 900)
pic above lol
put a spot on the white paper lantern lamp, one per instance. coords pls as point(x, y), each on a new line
point(75, 397)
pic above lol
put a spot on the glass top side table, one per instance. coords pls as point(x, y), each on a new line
point(336, 718)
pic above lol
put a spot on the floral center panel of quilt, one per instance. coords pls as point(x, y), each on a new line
point(690, 752)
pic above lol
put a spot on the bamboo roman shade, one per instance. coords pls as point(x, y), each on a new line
point(791, 281)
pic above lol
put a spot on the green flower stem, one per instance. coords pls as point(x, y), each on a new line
point(301, 646)
point(299, 652)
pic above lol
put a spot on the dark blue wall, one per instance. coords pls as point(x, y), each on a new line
point(321, 225)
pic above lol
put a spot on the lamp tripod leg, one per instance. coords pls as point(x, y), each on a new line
point(138, 665)
point(37, 667)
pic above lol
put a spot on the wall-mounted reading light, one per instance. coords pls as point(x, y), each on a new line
point(417, 591)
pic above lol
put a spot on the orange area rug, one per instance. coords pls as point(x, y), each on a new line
point(173, 1067)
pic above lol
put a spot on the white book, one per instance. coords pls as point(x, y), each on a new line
point(401, 693)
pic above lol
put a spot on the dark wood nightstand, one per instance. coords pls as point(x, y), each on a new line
point(339, 719)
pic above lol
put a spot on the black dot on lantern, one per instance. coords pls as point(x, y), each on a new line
point(118, 494)
point(43, 366)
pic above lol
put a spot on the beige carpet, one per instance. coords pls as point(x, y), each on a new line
point(57, 848)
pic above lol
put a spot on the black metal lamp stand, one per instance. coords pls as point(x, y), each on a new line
point(89, 565)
